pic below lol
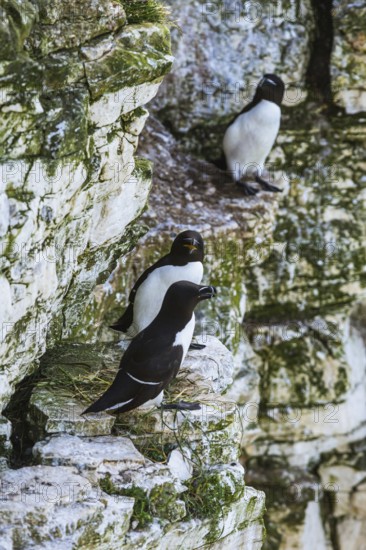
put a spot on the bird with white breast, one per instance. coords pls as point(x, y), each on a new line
point(250, 136)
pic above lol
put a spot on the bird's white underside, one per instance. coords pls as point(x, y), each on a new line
point(149, 296)
point(249, 140)
point(184, 337)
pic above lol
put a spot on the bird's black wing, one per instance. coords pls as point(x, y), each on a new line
point(163, 261)
point(247, 108)
point(123, 391)
point(125, 321)
point(152, 357)
point(146, 368)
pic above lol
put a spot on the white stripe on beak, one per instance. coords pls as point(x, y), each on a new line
point(270, 81)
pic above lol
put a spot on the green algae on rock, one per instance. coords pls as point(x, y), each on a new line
point(140, 54)
point(348, 67)
point(17, 18)
point(64, 25)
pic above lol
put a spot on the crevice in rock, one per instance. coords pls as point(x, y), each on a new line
point(328, 519)
point(22, 438)
point(318, 76)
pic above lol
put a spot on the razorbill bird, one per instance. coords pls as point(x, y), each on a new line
point(154, 356)
point(183, 263)
point(250, 136)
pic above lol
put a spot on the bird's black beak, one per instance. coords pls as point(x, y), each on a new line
point(206, 292)
point(191, 244)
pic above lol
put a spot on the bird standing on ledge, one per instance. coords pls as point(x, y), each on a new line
point(183, 263)
point(155, 355)
point(250, 136)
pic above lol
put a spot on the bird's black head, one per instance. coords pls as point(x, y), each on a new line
point(182, 297)
point(272, 88)
point(188, 247)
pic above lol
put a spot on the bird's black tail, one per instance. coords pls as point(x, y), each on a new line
point(220, 162)
point(122, 391)
point(94, 408)
point(125, 321)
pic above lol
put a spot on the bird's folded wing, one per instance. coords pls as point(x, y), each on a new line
point(122, 391)
point(245, 109)
point(152, 360)
point(125, 321)
point(146, 368)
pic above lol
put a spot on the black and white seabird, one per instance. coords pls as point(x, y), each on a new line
point(183, 263)
point(154, 356)
point(250, 136)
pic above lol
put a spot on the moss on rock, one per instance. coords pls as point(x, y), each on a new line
point(16, 21)
point(210, 491)
point(141, 508)
point(140, 54)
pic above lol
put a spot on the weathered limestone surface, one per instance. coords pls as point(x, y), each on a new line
point(49, 507)
point(173, 479)
point(348, 57)
point(300, 362)
point(73, 81)
point(224, 50)
point(293, 266)
point(343, 474)
point(304, 319)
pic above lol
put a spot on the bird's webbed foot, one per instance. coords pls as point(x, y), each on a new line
point(248, 190)
point(267, 186)
point(181, 406)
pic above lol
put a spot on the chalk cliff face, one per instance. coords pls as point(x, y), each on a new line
point(292, 266)
point(147, 478)
point(225, 49)
point(348, 56)
point(74, 79)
